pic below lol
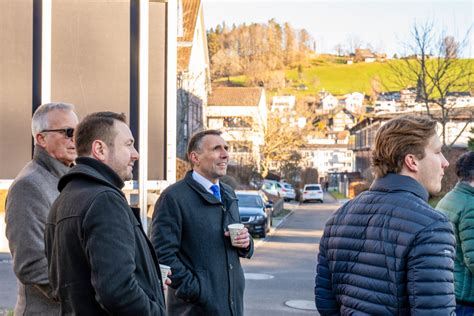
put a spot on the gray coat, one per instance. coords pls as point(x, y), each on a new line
point(188, 235)
point(28, 202)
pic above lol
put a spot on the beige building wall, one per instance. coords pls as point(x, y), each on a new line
point(90, 67)
point(16, 33)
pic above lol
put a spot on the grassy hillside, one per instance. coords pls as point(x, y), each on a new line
point(341, 78)
point(337, 77)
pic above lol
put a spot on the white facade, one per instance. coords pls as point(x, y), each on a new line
point(342, 121)
point(283, 103)
point(329, 102)
point(383, 106)
point(460, 101)
point(328, 159)
point(354, 102)
point(198, 68)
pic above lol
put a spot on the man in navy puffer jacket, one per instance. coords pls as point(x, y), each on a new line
point(387, 252)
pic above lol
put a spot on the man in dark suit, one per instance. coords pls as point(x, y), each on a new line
point(189, 233)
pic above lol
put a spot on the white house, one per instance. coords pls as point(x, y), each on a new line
point(459, 99)
point(329, 102)
point(241, 113)
point(354, 102)
point(328, 158)
point(385, 106)
point(193, 75)
point(283, 103)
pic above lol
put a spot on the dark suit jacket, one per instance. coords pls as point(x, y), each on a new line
point(188, 235)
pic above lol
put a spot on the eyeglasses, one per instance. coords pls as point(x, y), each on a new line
point(69, 132)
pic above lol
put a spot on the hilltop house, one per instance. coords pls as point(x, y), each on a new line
point(241, 113)
point(365, 55)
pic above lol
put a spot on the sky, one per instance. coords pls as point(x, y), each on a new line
point(385, 24)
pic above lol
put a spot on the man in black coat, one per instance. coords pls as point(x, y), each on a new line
point(100, 260)
point(189, 233)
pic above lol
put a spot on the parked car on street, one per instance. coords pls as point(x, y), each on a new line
point(286, 191)
point(255, 212)
point(271, 187)
point(312, 192)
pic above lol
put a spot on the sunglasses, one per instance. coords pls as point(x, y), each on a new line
point(69, 132)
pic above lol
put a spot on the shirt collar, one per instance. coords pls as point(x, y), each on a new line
point(203, 181)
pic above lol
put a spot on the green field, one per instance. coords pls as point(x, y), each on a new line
point(337, 77)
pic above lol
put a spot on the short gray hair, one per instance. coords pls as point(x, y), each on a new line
point(40, 121)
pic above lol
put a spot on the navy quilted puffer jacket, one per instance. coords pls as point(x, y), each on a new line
point(387, 252)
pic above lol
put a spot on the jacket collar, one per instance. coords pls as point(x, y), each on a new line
point(202, 191)
point(54, 166)
point(465, 188)
point(393, 182)
point(91, 168)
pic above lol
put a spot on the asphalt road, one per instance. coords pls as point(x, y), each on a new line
point(283, 267)
point(8, 287)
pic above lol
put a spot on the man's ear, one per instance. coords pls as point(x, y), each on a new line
point(411, 163)
point(194, 158)
point(39, 138)
point(99, 150)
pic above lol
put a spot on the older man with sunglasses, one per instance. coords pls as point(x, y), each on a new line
point(28, 202)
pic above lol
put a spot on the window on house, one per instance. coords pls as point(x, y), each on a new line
point(239, 147)
point(214, 122)
point(238, 121)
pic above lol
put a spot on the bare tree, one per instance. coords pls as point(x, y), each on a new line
point(281, 139)
point(433, 66)
point(353, 43)
point(339, 48)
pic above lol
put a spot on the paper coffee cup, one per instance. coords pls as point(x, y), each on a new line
point(164, 269)
point(234, 230)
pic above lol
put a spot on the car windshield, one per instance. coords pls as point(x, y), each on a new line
point(313, 188)
point(247, 200)
point(288, 186)
point(267, 185)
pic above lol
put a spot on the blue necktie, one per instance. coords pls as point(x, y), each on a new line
point(215, 191)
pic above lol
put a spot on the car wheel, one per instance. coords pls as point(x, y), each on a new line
point(263, 234)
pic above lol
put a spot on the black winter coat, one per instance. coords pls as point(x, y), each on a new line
point(387, 252)
point(188, 235)
point(100, 260)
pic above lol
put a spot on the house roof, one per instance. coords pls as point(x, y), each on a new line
point(190, 17)
point(235, 96)
point(364, 52)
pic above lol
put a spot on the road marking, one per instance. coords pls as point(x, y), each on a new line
point(258, 276)
point(301, 304)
